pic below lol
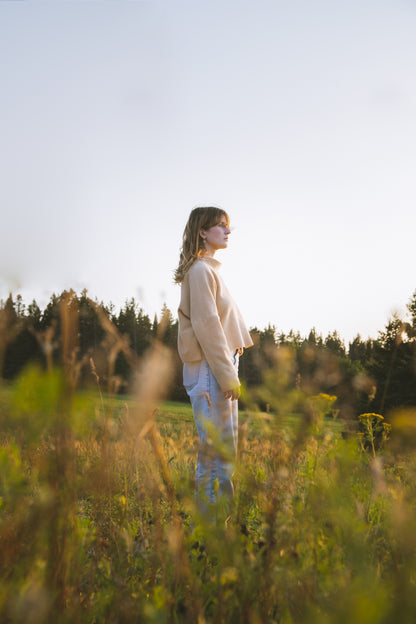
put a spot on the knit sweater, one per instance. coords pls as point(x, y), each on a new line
point(210, 324)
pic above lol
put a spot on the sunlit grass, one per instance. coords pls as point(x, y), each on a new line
point(98, 523)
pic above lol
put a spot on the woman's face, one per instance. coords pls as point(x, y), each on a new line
point(216, 237)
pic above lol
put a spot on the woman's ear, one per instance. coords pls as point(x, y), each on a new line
point(202, 233)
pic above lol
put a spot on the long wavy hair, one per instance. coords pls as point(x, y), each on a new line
point(193, 245)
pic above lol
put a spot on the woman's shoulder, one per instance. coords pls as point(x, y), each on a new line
point(202, 272)
point(200, 266)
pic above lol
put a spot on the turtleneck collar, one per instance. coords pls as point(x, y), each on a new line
point(212, 261)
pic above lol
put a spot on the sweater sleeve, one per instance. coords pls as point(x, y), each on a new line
point(207, 326)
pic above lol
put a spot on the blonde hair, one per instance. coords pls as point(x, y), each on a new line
point(192, 244)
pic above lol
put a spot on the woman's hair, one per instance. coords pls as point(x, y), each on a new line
point(192, 243)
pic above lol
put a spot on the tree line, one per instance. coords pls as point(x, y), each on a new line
point(374, 374)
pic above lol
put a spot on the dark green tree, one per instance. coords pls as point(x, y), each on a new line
point(334, 344)
point(133, 323)
point(392, 366)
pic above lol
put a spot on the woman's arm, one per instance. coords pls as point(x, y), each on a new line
point(208, 329)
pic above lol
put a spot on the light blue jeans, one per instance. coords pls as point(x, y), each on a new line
point(216, 420)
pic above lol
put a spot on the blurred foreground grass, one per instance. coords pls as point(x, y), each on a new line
point(96, 509)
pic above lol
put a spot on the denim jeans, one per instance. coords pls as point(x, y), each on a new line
point(216, 420)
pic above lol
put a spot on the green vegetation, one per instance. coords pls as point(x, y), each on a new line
point(97, 520)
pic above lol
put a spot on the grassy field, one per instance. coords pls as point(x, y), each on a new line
point(98, 525)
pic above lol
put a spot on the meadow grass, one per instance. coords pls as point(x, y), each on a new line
point(98, 522)
point(97, 513)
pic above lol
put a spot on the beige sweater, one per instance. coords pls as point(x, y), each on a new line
point(210, 324)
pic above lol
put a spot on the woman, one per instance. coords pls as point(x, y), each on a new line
point(212, 335)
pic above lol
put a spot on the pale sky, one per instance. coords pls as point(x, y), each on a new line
point(298, 118)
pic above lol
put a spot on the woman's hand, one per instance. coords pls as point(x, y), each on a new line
point(232, 394)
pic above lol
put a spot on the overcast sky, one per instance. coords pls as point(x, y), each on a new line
point(298, 118)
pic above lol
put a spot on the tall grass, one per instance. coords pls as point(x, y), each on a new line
point(98, 524)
